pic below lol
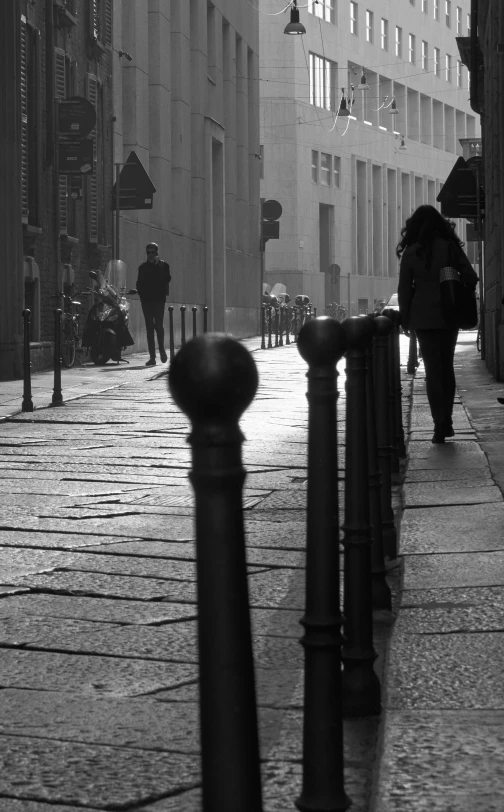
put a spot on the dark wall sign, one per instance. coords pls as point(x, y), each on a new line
point(76, 117)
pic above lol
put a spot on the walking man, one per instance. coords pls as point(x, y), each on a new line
point(153, 286)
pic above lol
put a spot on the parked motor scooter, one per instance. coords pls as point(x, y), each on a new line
point(106, 331)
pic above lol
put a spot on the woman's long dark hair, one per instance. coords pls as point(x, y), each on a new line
point(423, 227)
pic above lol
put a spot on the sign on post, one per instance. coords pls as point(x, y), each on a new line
point(136, 190)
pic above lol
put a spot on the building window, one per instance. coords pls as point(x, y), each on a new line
point(398, 41)
point(325, 169)
point(435, 9)
point(411, 48)
point(437, 62)
point(459, 73)
point(425, 55)
point(425, 8)
point(448, 13)
point(384, 34)
point(369, 25)
point(323, 74)
point(31, 144)
point(448, 66)
point(336, 171)
point(458, 18)
point(314, 165)
point(354, 21)
point(324, 9)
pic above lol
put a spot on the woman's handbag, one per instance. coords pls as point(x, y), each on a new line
point(457, 301)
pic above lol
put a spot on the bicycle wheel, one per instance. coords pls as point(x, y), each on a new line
point(68, 342)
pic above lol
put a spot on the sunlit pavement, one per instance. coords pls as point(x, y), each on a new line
point(98, 658)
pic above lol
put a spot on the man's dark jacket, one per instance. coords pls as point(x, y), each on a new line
point(153, 283)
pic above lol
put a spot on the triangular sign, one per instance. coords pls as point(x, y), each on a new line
point(458, 195)
point(135, 187)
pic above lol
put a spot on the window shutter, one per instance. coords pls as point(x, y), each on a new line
point(60, 93)
point(108, 22)
point(92, 89)
point(24, 125)
point(94, 12)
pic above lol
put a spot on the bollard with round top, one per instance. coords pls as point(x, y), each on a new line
point(361, 688)
point(27, 403)
point(172, 339)
point(263, 327)
point(384, 443)
point(213, 379)
point(194, 329)
point(205, 319)
point(380, 590)
point(321, 342)
point(57, 398)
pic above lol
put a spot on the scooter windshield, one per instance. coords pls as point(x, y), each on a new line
point(116, 274)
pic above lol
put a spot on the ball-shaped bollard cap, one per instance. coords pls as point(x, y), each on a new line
point(359, 332)
point(383, 325)
point(213, 378)
point(322, 341)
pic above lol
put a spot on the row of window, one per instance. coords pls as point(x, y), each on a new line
point(326, 169)
point(354, 17)
point(323, 76)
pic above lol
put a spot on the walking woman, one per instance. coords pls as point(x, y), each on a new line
point(429, 243)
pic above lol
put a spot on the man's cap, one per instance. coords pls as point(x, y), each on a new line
point(152, 245)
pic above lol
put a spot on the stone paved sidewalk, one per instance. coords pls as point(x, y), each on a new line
point(442, 729)
point(98, 659)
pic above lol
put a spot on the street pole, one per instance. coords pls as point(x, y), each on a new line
point(117, 185)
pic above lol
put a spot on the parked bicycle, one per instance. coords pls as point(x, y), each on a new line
point(336, 310)
point(70, 341)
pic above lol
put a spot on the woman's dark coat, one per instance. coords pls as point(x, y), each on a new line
point(419, 292)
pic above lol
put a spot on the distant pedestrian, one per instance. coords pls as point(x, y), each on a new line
point(429, 243)
point(153, 285)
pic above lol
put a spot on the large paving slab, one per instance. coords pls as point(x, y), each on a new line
point(454, 570)
point(460, 670)
point(125, 612)
point(452, 529)
point(426, 495)
point(441, 760)
point(89, 775)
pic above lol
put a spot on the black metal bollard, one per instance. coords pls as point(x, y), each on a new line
point(270, 325)
point(27, 403)
point(314, 312)
point(194, 329)
point(380, 590)
point(412, 354)
point(277, 311)
point(280, 322)
point(381, 384)
point(288, 312)
point(182, 325)
point(361, 687)
point(57, 398)
point(263, 327)
point(213, 379)
point(172, 339)
point(205, 319)
point(322, 343)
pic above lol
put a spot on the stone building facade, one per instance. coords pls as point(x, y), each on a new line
point(347, 184)
point(60, 49)
point(187, 103)
point(487, 80)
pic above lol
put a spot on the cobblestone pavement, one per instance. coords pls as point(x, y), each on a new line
point(442, 731)
point(98, 659)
